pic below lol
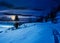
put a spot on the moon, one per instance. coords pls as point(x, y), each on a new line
point(13, 17)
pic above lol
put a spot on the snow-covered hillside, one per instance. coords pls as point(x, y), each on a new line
point(30, 33)
point(42, 32)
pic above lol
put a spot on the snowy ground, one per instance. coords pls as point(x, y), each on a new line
point(30, 33)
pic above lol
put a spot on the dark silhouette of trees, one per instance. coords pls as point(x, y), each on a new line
point(46, 18)
point(16, 18)
point(16, 23)
point(53, 14)
point(40, 19)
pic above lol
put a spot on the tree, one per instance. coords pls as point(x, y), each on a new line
point(16, 23)
point(53, 14)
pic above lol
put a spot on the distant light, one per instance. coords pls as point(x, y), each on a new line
point(13, 17)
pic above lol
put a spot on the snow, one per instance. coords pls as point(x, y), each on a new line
point(30, 33)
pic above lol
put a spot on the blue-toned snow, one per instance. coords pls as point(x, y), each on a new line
point(30, 33)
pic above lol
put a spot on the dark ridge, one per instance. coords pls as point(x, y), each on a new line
point(38, 9)
point(16, 14)
point(21, 8)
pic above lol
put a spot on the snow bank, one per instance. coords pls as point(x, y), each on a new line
point(32, 33)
